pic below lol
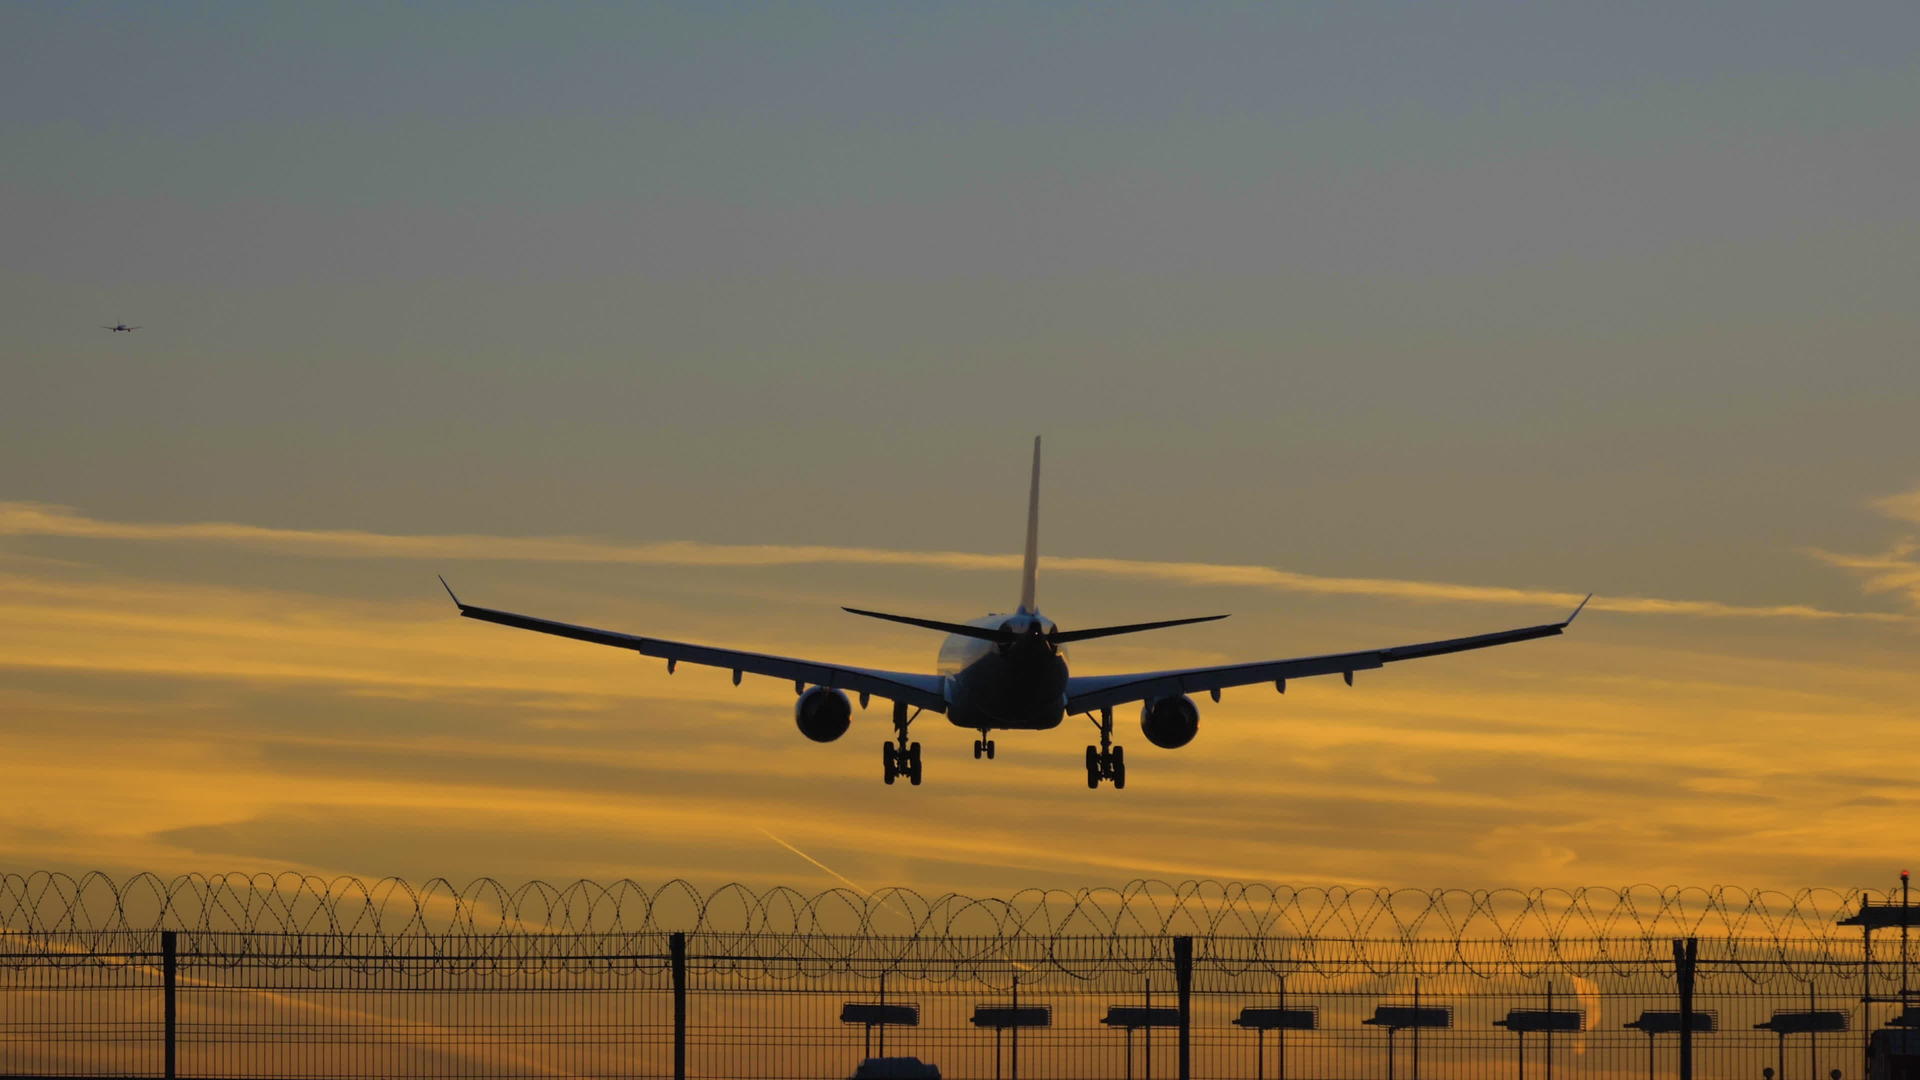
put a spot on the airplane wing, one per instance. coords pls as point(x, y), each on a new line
point(1092, 693)
point(920, 691)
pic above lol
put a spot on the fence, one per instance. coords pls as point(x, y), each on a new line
point(293, 977)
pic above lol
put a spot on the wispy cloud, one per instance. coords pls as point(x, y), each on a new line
point(41, 519)
point(265, 760)
point(1895, 570)
point(1904, 507)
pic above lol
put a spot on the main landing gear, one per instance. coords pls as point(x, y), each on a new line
point(983, 746)
point(1106, 761)
point(899, 757)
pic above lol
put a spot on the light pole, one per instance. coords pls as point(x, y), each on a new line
point(1544, 1021)
point(1809, 1023)
point(1280, 1021)
point(1396, 1017)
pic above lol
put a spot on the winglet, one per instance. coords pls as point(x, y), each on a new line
point(1577, 611)
point(449, 588)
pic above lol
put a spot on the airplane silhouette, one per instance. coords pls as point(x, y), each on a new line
point(121, 328)
point(1009, 673)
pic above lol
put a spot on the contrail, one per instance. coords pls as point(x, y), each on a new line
point(838, 876)
point(842, 878)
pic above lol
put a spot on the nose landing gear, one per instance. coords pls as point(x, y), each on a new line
point(1106, 761)
point(899, 757)
point(983, 746)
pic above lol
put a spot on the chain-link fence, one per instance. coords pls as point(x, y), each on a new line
point(133, 987)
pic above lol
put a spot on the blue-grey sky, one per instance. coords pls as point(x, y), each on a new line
point(1545, 297)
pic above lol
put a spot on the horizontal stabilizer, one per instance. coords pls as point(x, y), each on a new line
point(1058, 637)
point(1061, 637)
point(981, 632)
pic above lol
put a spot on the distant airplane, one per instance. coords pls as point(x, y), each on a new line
point(1009, 673)
point(121, 328)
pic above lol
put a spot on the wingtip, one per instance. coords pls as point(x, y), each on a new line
point(450, 595)
point(1577, 610)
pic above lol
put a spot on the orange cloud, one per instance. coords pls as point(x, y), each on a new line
point(1895, 570)
point(40, 519)
point(169, 725)
point(1903, 507)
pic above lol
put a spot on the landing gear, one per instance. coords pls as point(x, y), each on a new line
point(899, 757)
point(898, 761)
point(983, 748)
point(1106, 761)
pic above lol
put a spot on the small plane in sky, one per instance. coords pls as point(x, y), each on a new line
point(119, 328)
point(1009, 673)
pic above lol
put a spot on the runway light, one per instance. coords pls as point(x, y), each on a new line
point(1805, 1023)
point(1278, 1019)
point(892, 1015)
point(1139, 1016)
point(1544, 1020)
point(1024, 1016)
point(1667, 1022)
point(1398, 1017)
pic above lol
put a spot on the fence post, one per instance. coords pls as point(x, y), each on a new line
point(677, 947)
point(1183, 989)
point(169, 972)
point(1684, 955)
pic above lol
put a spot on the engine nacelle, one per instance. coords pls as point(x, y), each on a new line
point(1170, 723)
point(823, 715)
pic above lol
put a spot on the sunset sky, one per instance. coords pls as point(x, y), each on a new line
point(1368, 323)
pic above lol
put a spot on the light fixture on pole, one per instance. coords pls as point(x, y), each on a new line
point(1666, 1022)
point(879, 1016)
point(1397, 1018)
point(1133, 1017)
point(1809, 1023)
point(1010, 1018)
point(1280, 1021)
point(1544, 1022)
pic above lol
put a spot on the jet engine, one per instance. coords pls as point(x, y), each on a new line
point(1171, 722)
point(823, 715)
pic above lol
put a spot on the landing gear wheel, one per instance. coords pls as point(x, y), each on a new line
point(901, 757)
point(989, 749)
point(1106, 761)
point(979, 748)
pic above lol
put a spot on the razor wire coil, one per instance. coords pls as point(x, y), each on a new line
point(305, 920)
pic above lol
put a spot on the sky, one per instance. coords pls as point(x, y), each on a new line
point(1368, 323)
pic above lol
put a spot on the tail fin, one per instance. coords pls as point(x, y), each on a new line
point(1030, 570)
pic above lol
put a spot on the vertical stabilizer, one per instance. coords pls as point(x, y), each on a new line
point(1029, 570)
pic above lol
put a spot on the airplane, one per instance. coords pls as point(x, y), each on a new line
point(122, 328)
point(1008, 672)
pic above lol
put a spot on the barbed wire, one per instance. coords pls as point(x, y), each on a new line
point(1362, 931)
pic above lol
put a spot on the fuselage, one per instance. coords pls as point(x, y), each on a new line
point(1018, 686)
